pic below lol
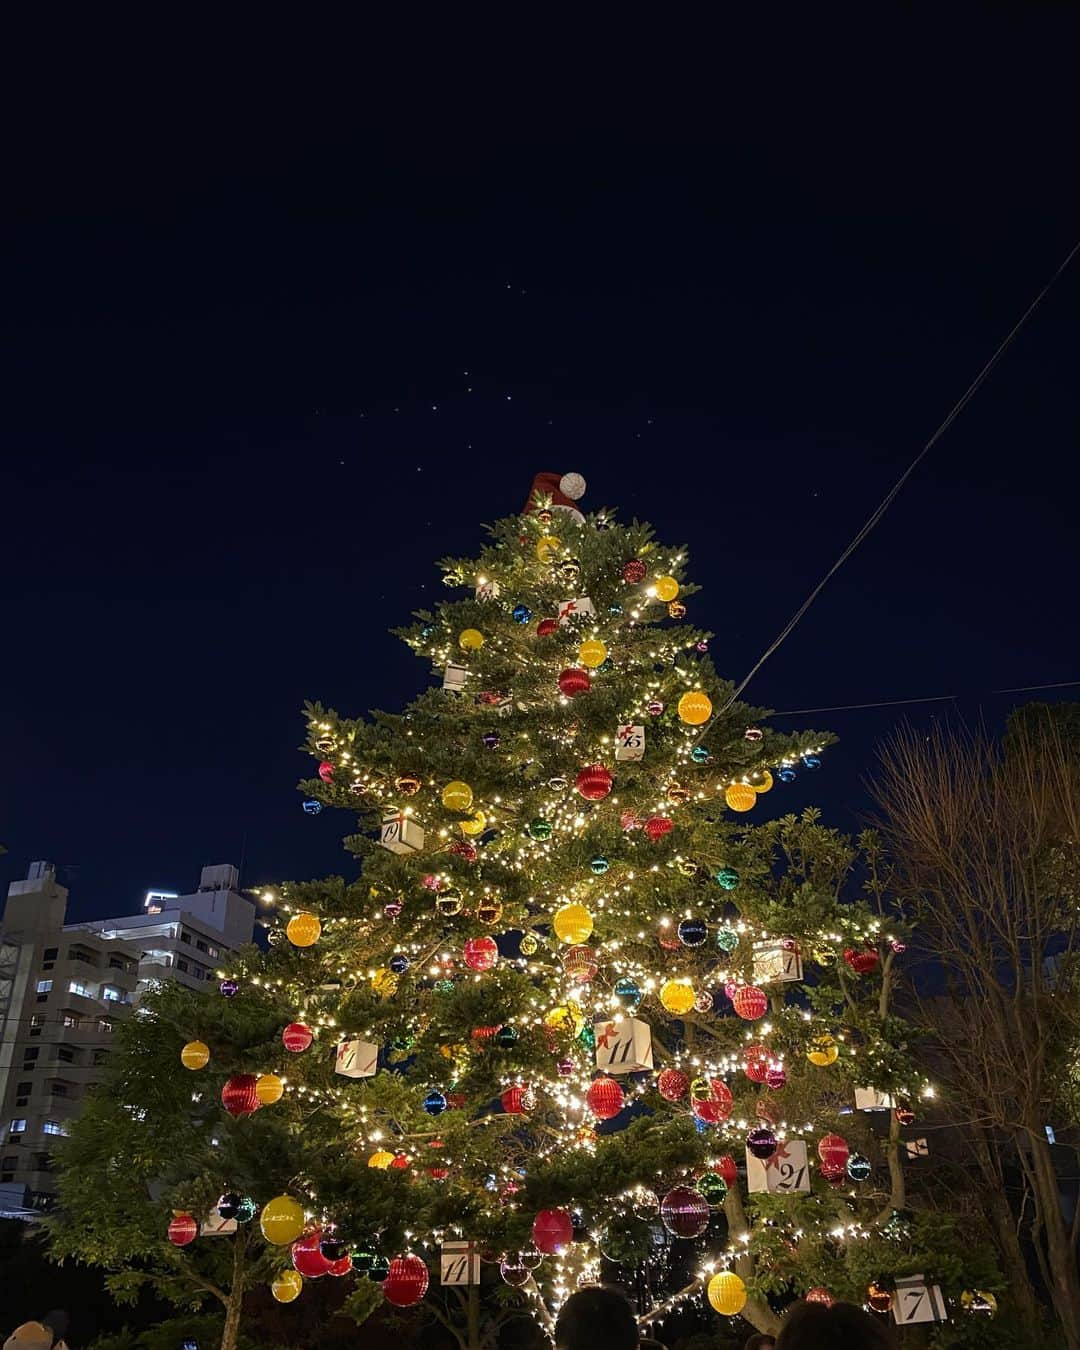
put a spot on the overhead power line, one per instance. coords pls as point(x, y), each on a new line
point(954, 412)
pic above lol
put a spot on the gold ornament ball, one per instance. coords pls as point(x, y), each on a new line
point(408, 784)
point(287, 1286)
point(727, 1293)
point(677, 997)
point(269, 1089)
point(573, 924)
point(570, 1018)
point(695, 707)
point(195, 1055)
point(303, 930)
point(823, 1051)
point(470, 639)
point(380, 1160)
point(384, 982)
point(282, 1220)
point(592, 653)
point(528, 945)
point(763, 783)
point(476, 824)
point(547, 548)
point(676, 610)
point(489, 911)
point(740, 797)
point(457, 796)
point(666, 588)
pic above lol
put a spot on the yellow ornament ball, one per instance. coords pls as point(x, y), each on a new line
point(384, 982)
point(823, 1051)
point(457, 796)
point(677, 997)
point(764, 783)
point(476, 824)
point(195, 1055)
point(282, 1220)
point(592, 653)
point(547, 548)
point(303, 930)
point(666, 588)
point(287, 1286)
point(695, 707)
point(727, 1293)
point(470, 639)
point(269, 1089)
point(572, 924)
point(570, 1018)
point(381, 1160)
point(740, 797)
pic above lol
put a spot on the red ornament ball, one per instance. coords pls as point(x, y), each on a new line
point(672, 1085)
point(341, 1267)
point(750, 1002)
point(552, 1230)
point(862, 960)
point(604, 1098)
point(326, 771)
point(775, 1077)
point(727, 1169)
point(182, 1230)
point(481, 953)
point(905, 1115)
point(296, 1038)
point(656, 827)
point(239, 1097)
point(516, 1100)
point(721, 1097)
point(401, 1161)
point(546, 627)
point(580, 964)
point(407, 1281)
point(684, 1212)
point(707, 1111)
point(819, 1294)
point(833, 1149)
point(594, 783)
point(574, 680)
point(307, 1258)
point(756, 1062)
point(464, 849)
point(831, 1171)
point(634, 571)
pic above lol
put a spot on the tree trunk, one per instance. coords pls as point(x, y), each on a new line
point(473, 1313)
point(1064, 1279)
point(231, 1331)
point(1003, 1226)
point(757, 1312)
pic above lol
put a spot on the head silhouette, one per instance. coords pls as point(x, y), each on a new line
point(813, 1326)
point(596, 1317)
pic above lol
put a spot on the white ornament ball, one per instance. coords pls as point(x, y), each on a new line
point(572, 485)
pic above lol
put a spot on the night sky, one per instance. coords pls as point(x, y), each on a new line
point(276, 341)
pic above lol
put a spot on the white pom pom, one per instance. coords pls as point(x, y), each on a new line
point(572, 485)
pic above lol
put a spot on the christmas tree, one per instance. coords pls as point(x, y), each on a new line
point(575, 1019)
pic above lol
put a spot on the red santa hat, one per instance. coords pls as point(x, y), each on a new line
point(563, 489)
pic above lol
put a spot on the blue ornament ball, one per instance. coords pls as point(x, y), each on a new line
point(761, 1142)
point(428, 631)
point(229, 988)
point(786, 775)
point(700, 755)
point(858, 1167)
point(599, 866)
point(614, 609)
point(491, 740)
point(811, 762)
point(435, 1103)
point(693, 932)
point(522, 613)
point(399, 964)
point(628, 992)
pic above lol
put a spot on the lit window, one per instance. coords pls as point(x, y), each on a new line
point(44, 986)
point(52, 1127)
point(17, 1127)
point(111, 994)
point(77, 987)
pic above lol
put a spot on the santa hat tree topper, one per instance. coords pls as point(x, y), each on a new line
point(560, 492)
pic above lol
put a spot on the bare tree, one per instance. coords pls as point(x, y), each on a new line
point(984, 841)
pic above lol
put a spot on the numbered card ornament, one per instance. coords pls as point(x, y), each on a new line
point(623, 1046)
point(401, 834)
point(356, 1059)
point(581, 608)
point(873, 1099)
point(917, 1301)
point(630, 742)
point(777, 959)
point(459, 1263)
point(487, 590)
point(454, 678)
point(917, 1148)
point(215, 1226)
point(785, 1172)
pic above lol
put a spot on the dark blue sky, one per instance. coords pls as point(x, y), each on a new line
point(238, 427)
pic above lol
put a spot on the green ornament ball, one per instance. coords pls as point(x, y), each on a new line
point(700, 755)
point(587, 1037)
point(728, 878)
point(444, 986)
point(506, 1037)
point(599, 866)
point(540, 828)
point(727, 939)
point(713, 1187)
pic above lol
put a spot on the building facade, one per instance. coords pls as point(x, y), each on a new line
point(65, 987)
